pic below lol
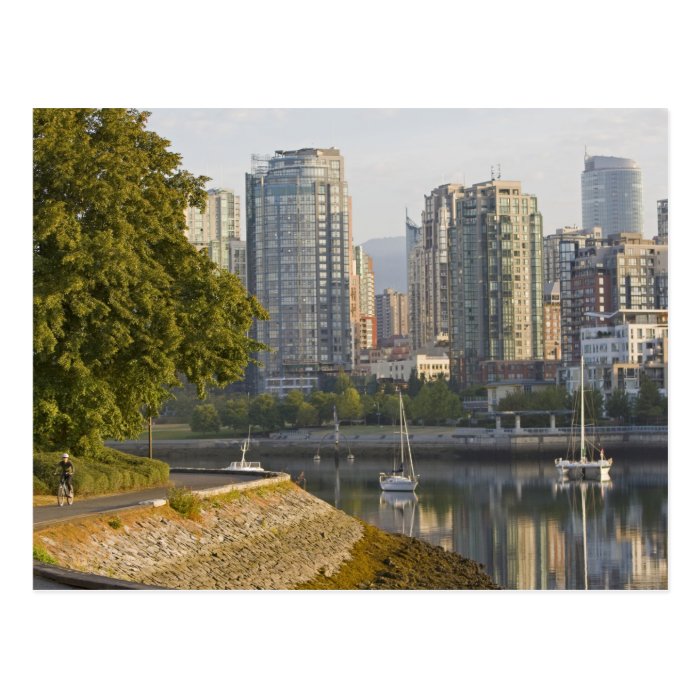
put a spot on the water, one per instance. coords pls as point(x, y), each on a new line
point(519, 520)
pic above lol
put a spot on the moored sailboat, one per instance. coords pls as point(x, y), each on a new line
point(403, 477)
point(587, 463)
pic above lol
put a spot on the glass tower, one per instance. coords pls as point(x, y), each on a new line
point(611, 195)
point(299, 252)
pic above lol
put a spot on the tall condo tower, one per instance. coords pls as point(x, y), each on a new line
point(217, 230)
point(611, 195)
point(428, 289)
point(496, 278)
point(299, 253)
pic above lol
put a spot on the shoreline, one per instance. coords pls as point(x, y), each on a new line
point(501, 446)
point(276, 537)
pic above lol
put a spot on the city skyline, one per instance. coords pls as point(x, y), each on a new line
point(394, 157)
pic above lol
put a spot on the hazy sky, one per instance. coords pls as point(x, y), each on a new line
point(393, 157)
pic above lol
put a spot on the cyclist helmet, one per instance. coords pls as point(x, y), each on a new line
point(64, 455)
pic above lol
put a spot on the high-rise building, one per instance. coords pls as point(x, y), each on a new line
point(217, 230)
point(552, 321)
point(392, 316)
point(552, 247)
point(365, 329)
point(560, 250)
point(221, 219)
point(496, 285)
point(427, 268)
point(611, 195)
point(623, 273)
point(299, 254)
point(662, 221)
point(413, 235)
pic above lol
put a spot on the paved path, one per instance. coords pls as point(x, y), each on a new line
point(44, 515)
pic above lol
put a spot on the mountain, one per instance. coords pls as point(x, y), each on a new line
point(389, 257)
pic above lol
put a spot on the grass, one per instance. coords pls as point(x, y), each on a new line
point(185, 502)
point(40, 554)
point(115, 523)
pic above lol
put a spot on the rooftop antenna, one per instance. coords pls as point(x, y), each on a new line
point(492, 172)
point(499, 171)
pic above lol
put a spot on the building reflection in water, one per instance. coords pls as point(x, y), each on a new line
point(518, 520)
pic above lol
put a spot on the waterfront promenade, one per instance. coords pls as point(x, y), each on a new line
point(376, 440)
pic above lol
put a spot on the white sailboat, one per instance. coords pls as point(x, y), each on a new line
point(586, 464)
point(243, 466)
point(403, 477)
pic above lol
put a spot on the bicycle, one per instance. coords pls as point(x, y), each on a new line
point(64, 492)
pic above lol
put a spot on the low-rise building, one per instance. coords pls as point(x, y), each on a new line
point(619, 349)
point(428, 367)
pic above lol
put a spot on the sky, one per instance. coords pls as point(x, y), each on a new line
point(394, 157)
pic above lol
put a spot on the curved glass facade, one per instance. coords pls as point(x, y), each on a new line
point(611, 195)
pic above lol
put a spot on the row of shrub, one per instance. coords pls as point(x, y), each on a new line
point(109, 472)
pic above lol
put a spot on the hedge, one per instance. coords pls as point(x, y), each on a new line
point(110, 472)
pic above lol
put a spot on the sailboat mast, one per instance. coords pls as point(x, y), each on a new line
point(585, 544)
point(583, 434)
point(401, 427)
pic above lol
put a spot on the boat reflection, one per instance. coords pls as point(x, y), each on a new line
point(404, 505)
point(584, 493)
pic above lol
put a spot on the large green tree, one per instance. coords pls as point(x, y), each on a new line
point(435, 403)
point(123, 305)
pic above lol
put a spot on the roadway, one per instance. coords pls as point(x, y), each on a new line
point(46, 515)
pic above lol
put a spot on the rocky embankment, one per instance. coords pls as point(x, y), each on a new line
point(275, 537)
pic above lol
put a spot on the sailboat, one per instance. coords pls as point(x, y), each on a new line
point(403, 477)
point(586, 464)
point(243, 466)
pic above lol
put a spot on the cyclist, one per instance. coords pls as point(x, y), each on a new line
point(67, 471)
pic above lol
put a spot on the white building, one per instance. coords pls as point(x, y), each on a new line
point(620, 349)
point(428, 367)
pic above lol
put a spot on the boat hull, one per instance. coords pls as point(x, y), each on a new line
point(583, 470)
point(397, 483)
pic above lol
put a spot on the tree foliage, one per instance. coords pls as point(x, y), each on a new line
point(205, 419)
point(650, 406)
point(122, 301)
point(435, 403)
point(235, 413)
point(619, 406)
point(349, 404)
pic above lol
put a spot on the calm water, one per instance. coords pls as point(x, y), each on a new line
point(529, 530)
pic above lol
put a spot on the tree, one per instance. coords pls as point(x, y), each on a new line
point(122, 302)
point(349, 405)
point(650, 406)
point(307, 415)
point(618, 406)
point(415, 384)
point(323, 402)
point(205, 419)
point(435, 403)
point(290, 406)
point(342, 382)
point(235, 413)
point(264, 411)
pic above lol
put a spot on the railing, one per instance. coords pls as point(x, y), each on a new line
point(621, 429)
